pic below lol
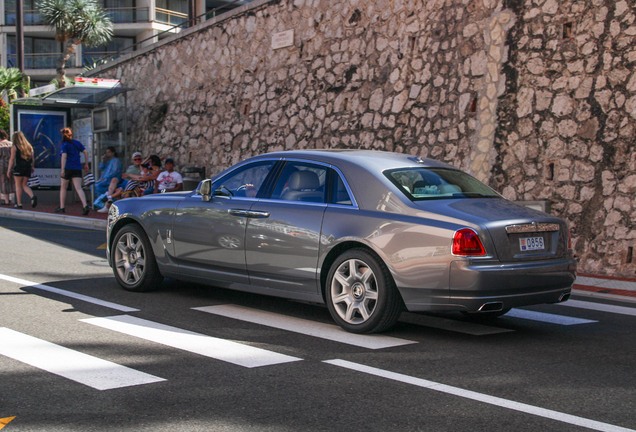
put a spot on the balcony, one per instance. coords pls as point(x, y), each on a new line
point(91, 59)
point(165, 16)
point(124, 15)
point(39, 61)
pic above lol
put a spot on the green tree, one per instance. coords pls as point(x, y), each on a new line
point(75, 22)
point(11, 79)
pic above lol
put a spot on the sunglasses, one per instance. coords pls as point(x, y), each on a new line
point(136, 158)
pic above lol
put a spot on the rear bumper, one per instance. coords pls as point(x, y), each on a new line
point(473, 284)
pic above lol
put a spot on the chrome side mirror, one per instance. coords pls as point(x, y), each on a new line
point(205, 190)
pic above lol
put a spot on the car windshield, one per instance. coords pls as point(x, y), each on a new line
point(438, 183)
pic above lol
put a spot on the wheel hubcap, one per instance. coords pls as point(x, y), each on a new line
point(130, 261)
point(354, 291)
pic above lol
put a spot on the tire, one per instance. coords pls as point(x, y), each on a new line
point(361, 294)
point(133, 259)
point(486, 315)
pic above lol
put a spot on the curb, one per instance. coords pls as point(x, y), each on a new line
point(75, 221)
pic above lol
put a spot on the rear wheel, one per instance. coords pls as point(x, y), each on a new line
point(361, 294)
point(134, 263)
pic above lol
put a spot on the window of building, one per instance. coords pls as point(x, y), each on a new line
point(171, 11)
point(39, 53)
point(93, 54)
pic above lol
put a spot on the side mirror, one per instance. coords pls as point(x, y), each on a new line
point(205, 190)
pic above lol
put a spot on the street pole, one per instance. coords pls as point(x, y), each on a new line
point(19, 33)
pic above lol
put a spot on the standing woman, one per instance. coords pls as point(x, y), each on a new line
point(72, 169)
point(7, 185)
point(22, 155)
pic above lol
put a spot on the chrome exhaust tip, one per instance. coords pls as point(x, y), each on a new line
point(564, 297)
point(491, 307)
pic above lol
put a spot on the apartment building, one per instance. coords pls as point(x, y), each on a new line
point(137, 23)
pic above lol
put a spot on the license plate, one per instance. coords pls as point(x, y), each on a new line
point(531, 243)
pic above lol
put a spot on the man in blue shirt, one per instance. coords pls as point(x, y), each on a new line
point(110, 168)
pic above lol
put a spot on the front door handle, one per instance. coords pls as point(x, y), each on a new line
point(258, 214)
point(240, 213)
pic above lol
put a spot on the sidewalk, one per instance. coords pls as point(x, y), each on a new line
point(588, 285)
point(48, 201)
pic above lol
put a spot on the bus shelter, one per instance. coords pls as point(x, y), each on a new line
point(97, 113)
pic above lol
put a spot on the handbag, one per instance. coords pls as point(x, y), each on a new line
point(89, 179)
point(33, 181)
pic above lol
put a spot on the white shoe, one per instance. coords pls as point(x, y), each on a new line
point(103, 210)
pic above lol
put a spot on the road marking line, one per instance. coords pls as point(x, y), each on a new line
point(546, 317)
point(470, 328)
point(303, 326)
point(220, 349)
point(599, 307)
point(480, 397)
point(76, 366)
point(69, 294)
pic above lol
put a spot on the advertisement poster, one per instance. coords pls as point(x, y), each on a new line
point(43, 130)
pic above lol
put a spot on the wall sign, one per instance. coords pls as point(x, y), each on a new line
point(283, 39)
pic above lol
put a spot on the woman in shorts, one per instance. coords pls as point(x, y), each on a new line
point(22, 155)
point(72, 169)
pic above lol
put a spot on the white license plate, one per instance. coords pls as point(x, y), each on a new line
point(531, 243)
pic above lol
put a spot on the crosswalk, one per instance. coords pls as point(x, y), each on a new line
point(105, 375)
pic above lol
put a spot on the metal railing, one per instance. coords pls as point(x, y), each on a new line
point(39, 61)
point(169, 17)
point(92, 58)
point(117, 16)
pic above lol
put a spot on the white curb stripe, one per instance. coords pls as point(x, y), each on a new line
point(220, 349)
point(82, 368)
point(303, 326)
point(68, 294)
point(480, 397)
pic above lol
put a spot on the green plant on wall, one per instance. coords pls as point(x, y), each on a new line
point(4, 116)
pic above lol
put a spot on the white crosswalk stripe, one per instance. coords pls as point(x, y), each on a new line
point(303, 326)
point(621, 310)
point(546, 317)
point(82, 368)
point(220, 349)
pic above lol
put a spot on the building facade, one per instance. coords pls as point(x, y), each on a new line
point(137, 23)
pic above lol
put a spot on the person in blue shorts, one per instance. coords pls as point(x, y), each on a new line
point(72, 169)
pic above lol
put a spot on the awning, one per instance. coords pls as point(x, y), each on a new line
point(76, 97)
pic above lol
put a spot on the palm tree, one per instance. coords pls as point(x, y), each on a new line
point(75, 22)
point(12, 80)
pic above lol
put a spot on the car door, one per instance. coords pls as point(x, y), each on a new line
point(209, 236)
point(282, 248)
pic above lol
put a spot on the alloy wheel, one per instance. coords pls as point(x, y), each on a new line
point(130, 258)
point(354, 291)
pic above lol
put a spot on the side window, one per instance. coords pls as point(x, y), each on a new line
point(340, 195)
point(247, 180)
point(301, 181)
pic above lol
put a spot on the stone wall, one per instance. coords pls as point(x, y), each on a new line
point(535, 97)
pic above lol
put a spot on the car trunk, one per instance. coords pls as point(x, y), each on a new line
point(517, 233)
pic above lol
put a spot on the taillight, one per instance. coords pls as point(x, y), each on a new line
point(466, 242)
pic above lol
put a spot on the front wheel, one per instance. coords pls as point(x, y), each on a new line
point(361, 294)
point(133, 261)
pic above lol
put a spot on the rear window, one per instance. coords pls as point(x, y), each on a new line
point(438, 183)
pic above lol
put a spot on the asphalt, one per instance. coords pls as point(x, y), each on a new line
point(597, 286)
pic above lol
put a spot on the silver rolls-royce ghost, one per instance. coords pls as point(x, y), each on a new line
point(368, 233)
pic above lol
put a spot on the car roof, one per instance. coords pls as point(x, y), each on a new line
point(370, 159)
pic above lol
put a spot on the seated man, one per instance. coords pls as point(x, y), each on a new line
point(132, 170)
point(169, 180)
point(110, 168)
